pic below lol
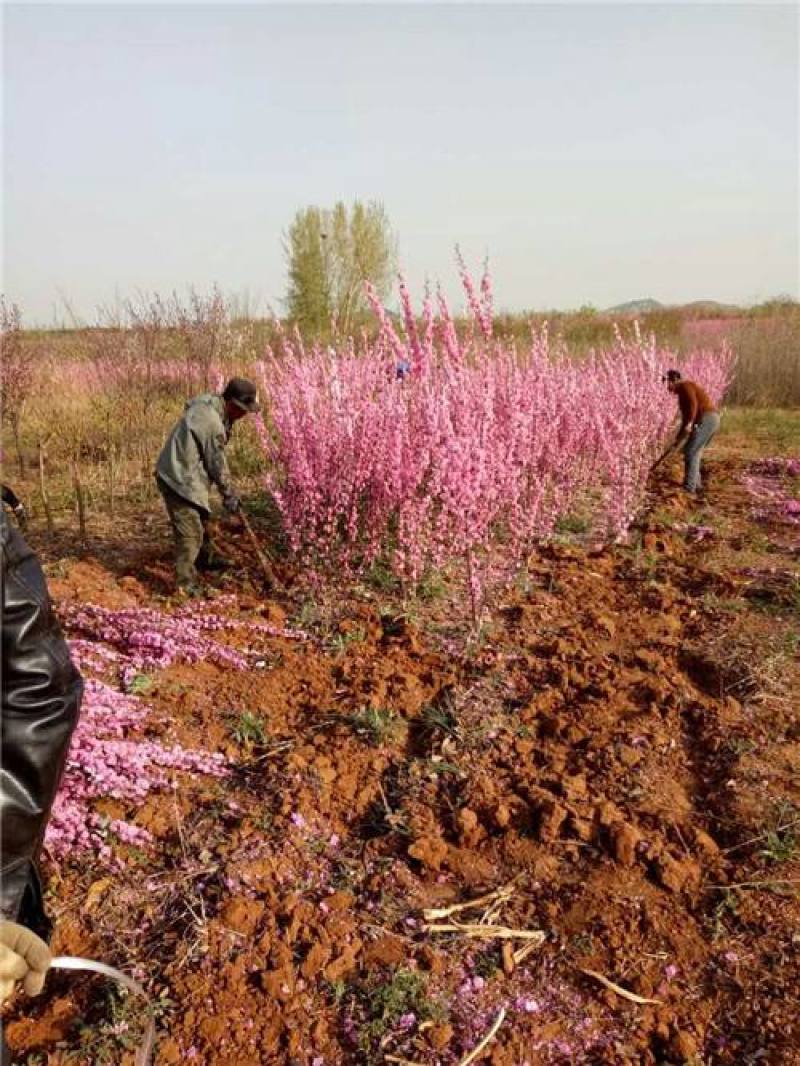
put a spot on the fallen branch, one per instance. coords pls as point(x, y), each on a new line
point(504, 893)
point(620, 991)
point(758, 884)
point(761, 836)
point(488, 932)
point(480, 1048)
point(522, 953)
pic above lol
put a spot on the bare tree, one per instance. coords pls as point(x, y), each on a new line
point(204, 324)
point(16, 374)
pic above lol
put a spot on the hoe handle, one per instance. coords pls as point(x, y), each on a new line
point(263, 562)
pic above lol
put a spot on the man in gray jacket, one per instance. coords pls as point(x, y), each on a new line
point(193, 459)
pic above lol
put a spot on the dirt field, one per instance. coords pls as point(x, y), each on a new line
point(621, 746)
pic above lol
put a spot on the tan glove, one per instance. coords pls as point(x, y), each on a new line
point(23, 957)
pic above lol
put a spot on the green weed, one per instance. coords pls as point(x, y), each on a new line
point(249, 729)
point(377, 725)
point(574, 524)
point(432, 587)
point(438, 717)
point(726, 907)
point(340, 642)
point(384, 1004)
point(140, 685)
point(782, 839)
point(380, 577)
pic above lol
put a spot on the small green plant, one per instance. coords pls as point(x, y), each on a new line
point(782, 839)
point(573, 524)
point(309, 615)
point(380, 577)
point(264, 821)
point(250, 730)
point(488, 962)
point(432, 587)
point(384, 1004)
point(715, 602)
point(140, 685)
point(740, 746)
point(439, 717)
point(377, 725)
point(780, 847)
point(102, 1043)
point(337, 990)
point(728, 906)
point(339, 642)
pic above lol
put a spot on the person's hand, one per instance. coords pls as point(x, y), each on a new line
point(232, 503)
point(23, 957)
point(22, 515)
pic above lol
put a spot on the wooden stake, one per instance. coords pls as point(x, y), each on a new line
point(43, 488)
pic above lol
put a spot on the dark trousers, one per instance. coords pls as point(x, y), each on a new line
point(193, 544)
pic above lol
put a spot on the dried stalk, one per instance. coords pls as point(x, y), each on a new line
point(488, 932)
point(522, 953)
point(620, 991)
point(761, 836)
point(434, 913)
point(759, 884)
point(480, 1048)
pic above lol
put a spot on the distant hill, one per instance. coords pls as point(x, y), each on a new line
point(696, 309)
point(710, 308)
point(634, 307)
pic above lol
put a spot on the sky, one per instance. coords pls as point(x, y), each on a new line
point(597, 153)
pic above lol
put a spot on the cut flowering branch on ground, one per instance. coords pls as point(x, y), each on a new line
point(150, 639)
point(478, 1051)
point(618, 989)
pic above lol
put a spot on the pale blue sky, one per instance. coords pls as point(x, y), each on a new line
point(598, 153)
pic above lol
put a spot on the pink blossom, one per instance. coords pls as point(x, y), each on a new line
point(482, 437)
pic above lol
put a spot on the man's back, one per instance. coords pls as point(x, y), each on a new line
point(193, 449)
point(693, 400)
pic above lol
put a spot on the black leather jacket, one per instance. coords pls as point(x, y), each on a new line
point(41, 696)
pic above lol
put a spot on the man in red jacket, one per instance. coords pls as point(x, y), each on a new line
point(699, 423)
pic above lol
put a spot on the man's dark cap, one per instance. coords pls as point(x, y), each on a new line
point(243, 393)
point(672, 375)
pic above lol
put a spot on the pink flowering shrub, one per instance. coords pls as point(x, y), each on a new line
point(104, 760)
point(480, 445)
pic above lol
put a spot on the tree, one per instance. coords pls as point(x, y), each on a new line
point(16, 374)
point(330, 253)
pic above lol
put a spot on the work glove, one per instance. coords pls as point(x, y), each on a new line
point(22, 515)
point(232, 503)
point(23, 957)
